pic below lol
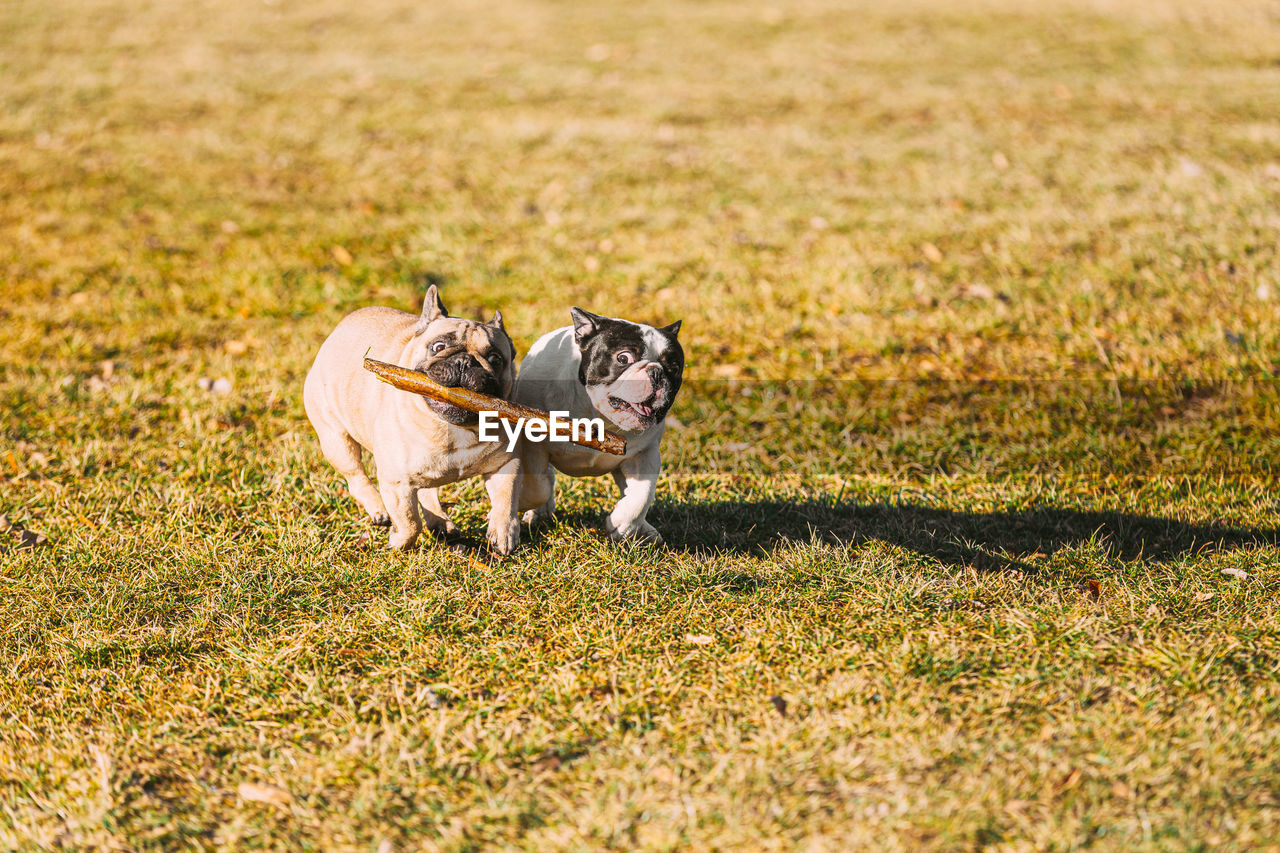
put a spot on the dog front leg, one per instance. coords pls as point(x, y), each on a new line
point(637, 478)
point(401, 500)
point(503, 486)
point(538, 492)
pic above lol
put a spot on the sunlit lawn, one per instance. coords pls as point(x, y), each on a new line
point(969, 503)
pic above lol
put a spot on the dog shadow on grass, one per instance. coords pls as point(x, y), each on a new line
point(992, 541)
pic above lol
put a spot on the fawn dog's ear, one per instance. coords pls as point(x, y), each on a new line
point(432, 307)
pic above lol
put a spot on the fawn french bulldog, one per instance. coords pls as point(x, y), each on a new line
point(417, 444)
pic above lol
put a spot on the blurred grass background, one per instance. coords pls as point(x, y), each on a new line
point(980, 308)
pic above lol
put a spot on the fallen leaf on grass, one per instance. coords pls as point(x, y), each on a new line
point(272, 795)
point(976, 290)
point(932, 253)
point(341, 255)
point(30, 540)
point(19, 538)
point(548, 761)
point(699, 639)
point(779, 704)
point(1091, 587)
point(1071, 780)
point(1236, 573)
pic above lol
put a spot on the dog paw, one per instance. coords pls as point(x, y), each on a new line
point(639, 531)
point(380, 519)
point(503, 536)
point(541, 515)
point(441, 527)
point(398, 541)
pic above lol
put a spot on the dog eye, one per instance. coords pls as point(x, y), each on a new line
point(438, 346)
point(625, 357)
point(495, 358)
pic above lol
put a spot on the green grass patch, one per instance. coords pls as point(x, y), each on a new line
point(969, 502)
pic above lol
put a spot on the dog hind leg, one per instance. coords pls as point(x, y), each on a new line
point(343, 453)
point(434, 517)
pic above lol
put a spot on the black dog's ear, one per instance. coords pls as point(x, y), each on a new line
point(673, 329)
point(432, 308)
point(585, 323)
point(496, 322)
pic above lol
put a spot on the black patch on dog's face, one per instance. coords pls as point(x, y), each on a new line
point(466, 358)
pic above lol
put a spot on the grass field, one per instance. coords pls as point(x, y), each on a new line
point(970, 507)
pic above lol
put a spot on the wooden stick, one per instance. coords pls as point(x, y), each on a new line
point(417, 382)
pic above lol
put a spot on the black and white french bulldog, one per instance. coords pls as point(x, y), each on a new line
point(626, 373)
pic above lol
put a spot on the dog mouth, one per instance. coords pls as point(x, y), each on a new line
point(451, 413)
point(454, 376)
point(643, 411)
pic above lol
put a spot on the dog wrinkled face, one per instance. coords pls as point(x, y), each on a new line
point(631, 372)
point(463, 354)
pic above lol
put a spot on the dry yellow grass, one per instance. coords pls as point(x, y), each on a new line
point(936, 613)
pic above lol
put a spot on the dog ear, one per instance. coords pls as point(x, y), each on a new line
point(496, 322)
point(432, 308)
point(673, 329)
point(584, 323)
